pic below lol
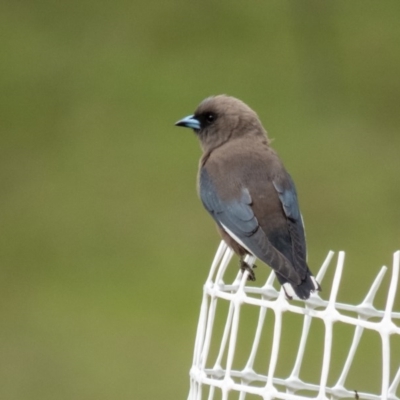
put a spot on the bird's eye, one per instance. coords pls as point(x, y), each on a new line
point(210, 117)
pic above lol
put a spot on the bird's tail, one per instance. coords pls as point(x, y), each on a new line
point(303, 290)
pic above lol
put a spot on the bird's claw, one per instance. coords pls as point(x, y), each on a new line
point(246, 267)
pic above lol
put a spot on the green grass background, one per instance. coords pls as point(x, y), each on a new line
point(104, 246)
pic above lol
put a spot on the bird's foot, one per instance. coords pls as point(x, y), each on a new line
point(246, 267)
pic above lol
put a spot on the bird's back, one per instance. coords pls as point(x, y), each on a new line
point(253, 165)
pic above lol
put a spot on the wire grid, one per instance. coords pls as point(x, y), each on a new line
point(205, 382)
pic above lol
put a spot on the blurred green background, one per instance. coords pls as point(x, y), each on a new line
point(104, 246)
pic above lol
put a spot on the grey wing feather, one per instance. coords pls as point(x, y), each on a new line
point(238, 217)
point(288, 197)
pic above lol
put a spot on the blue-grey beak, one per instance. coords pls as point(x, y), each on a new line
point(189, 122)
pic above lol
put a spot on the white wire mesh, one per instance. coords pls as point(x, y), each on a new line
point(216, 377)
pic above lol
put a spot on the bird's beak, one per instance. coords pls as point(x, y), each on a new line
point(189, 122)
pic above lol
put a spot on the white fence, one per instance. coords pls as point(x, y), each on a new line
point(216, 374)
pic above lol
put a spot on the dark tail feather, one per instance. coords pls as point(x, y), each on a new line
point(307, 285)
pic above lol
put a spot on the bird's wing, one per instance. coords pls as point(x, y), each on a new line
point(236, 214)
point(237, 218)
point(288, 197)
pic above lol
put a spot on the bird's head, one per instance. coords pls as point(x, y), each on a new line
point(221, 118)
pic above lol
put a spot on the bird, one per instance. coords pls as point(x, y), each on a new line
point(244, 186)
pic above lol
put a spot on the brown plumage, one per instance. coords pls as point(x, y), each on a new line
point(246, 189)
